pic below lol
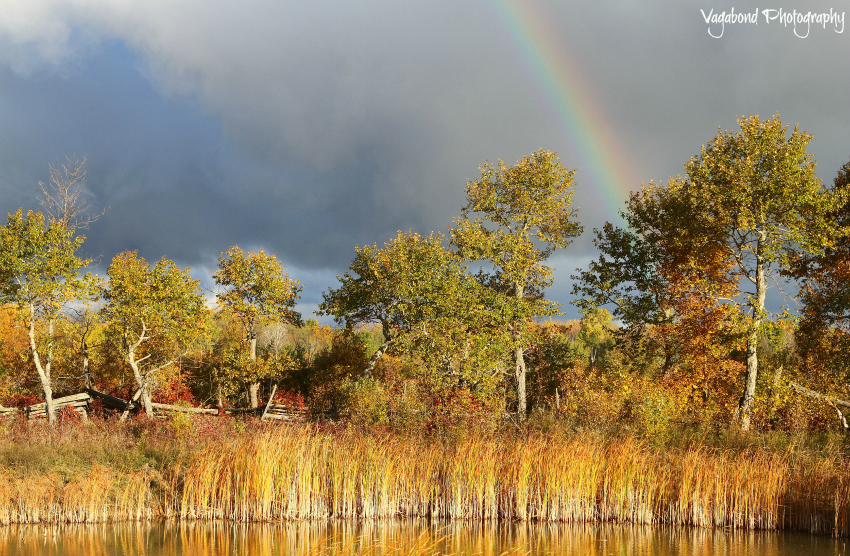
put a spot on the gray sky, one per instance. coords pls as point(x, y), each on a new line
point(305, 128)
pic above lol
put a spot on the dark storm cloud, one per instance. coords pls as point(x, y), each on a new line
point(306, 128)
point(301, 131)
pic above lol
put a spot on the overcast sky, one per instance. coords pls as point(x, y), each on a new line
point(306, 128)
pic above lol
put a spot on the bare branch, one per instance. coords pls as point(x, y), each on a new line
point(64, 198)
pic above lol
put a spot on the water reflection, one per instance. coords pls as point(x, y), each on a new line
point(488, 539)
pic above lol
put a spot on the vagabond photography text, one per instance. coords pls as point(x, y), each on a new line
point(800, 22)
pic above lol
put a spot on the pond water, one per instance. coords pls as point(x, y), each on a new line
point(310, 538)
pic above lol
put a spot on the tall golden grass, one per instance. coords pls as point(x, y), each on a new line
point(302, 473)
point(305, 473)
point(101, 494)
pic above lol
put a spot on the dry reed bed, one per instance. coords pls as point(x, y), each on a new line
point(299, 472)
point(102, 494)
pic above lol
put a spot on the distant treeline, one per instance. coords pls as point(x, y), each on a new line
point(674, 328)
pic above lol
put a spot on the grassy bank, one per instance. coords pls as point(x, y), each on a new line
point(225, 469)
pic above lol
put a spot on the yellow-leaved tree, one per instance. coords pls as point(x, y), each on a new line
point(514, 219)
point(39, 273)
point(155, 315)
point(257, 292)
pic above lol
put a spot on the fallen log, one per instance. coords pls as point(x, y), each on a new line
point(829, 400)
point(812, 394)
point(282, 408)
point(109, 401)
point(244, 411)
point(269, 403)
point(291, 417)
point(285, 415)
point(181, 409)
point(80, 404)
point(40, 406)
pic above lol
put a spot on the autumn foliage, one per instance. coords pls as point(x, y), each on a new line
point(454, 333)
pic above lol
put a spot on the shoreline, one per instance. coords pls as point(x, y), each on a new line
point(306, 473)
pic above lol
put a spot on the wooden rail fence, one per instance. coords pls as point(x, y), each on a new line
point(81, 404)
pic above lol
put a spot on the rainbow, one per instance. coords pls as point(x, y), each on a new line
point(582, 122)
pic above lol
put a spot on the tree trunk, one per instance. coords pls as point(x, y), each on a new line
point(519, 359)
point(130, 403)
point(141, 382)
point(86, 374)
point(43, 370)
point(521, 407)
point(254, 387)
point(253, 394)
point(146, 398)
point(382, 349)
point(84, 348)
point(745, 407)
point(373, 361)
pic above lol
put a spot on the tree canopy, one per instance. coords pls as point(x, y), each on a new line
point(514, 219)
point(155, 315)
point(748, 203)
point(257, 292)
point(39, 273)
point(439, 329)
point(413, 287)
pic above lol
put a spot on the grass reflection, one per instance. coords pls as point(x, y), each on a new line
point(399, 538)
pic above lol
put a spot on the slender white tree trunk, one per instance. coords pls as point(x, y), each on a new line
point(86, 375)
point(519, 369)
point(43, 368)
point(373, 361)
point(745, 407)
point(141, 382)
point(254, 387)
point(521, 408)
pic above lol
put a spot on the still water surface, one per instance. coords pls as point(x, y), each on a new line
point(296, 539)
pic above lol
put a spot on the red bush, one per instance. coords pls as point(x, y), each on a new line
point(22, 400)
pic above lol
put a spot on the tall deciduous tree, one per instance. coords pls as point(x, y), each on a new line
point(388, 286)
point(66, 203)
point(826, 275)
point(428, 306)
point(524, 213)
point(824, 331)
point(759, 187)
point(39, 272)
point(663, 270)
point(258, 292)
point(748, 202)
point(155, 315)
